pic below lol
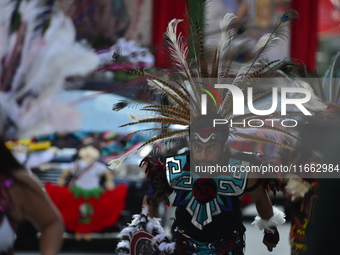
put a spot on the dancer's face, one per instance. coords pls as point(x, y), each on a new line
point(207, 154)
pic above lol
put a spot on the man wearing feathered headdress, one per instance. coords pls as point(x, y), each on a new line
point(208, 190)
point(209, 180)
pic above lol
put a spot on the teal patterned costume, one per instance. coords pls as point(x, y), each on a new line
point(208, 214)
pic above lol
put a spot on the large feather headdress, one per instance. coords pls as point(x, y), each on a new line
point(38, 52)
point(183, 88)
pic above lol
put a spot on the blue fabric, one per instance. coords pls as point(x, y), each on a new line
point(220, 188)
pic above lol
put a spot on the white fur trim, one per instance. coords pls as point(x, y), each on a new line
point(152, 224)
point(123, 244)
point(277, 219)
point(145, 210)
point(159, 238)
point(167, 247)
point(126, 231)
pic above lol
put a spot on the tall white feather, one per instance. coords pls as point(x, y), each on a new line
point(225, 40)
point(59, 58)
point(265, 41)
point(178, 48)
point(179, 53)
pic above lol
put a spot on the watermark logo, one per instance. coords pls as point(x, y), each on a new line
point(280, 97)
point(238, 100)
point(213, 95)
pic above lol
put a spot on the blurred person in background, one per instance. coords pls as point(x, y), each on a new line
point(321, 134)
point(301, 192)
point(312, 189)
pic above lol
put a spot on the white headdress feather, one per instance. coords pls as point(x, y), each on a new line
point(37, 63)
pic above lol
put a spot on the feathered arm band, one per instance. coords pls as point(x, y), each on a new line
point(155, 171)
point(271, 234)
point(277, 219)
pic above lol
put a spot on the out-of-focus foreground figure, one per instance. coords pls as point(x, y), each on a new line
point(37, 53)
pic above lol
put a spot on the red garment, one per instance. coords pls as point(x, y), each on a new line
point(105, 211)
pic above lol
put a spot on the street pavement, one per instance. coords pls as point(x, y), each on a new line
point(254, 245)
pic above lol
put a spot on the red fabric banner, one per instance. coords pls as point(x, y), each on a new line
point(163, 12)
point(304, 39)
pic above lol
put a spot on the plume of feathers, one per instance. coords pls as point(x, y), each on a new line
point(36, 57)
point(184, 91)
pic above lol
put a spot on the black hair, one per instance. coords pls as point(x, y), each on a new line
point(8, 163)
